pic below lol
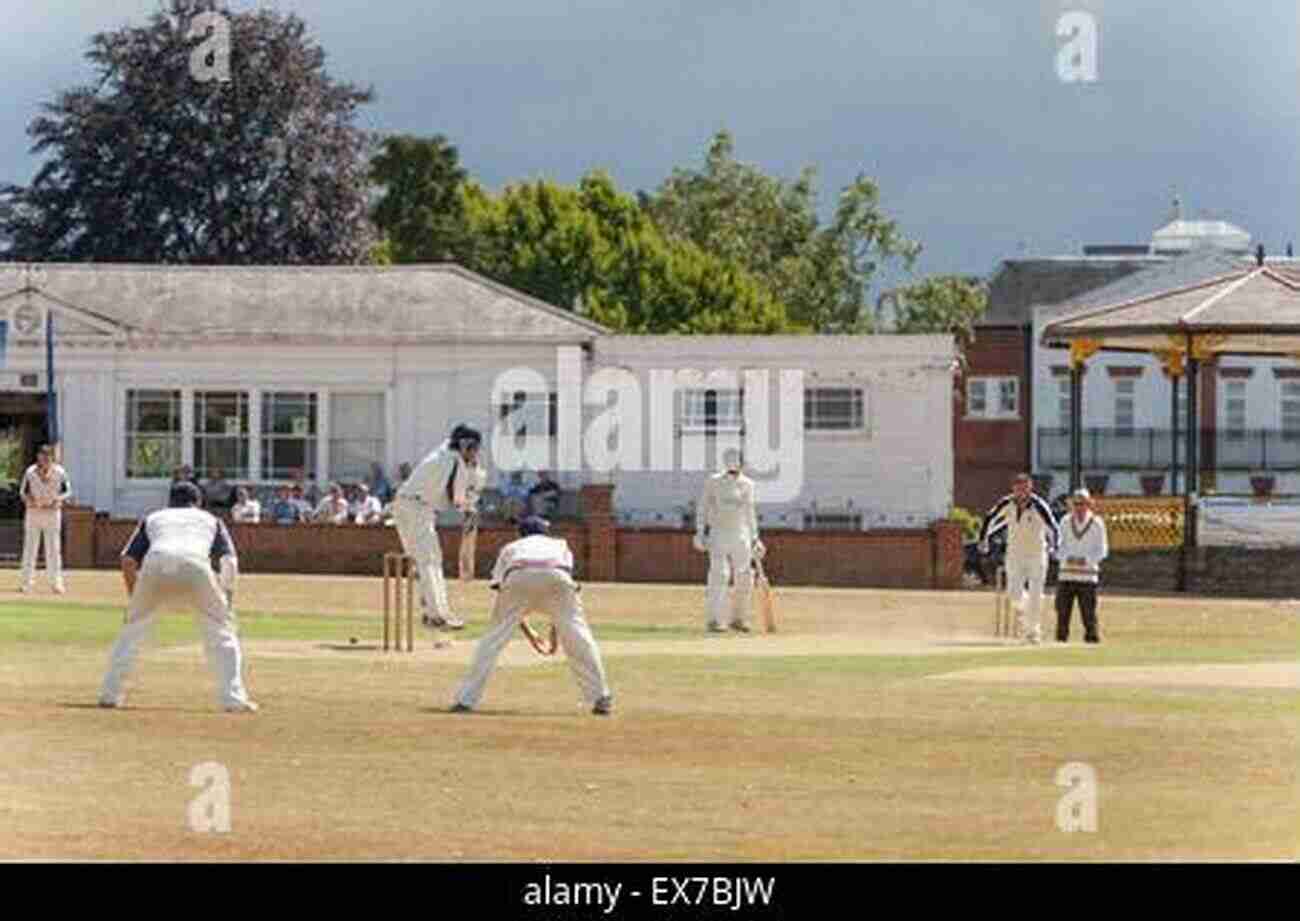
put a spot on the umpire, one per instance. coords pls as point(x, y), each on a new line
point(1082, 548)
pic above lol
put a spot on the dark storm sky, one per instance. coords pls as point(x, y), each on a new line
point(953, 106)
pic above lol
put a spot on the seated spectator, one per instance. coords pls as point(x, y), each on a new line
point(217, 493)
point(305, 508)
point(544, 497)
point(246, 509)
point(366, 509)
point(283, 510)
point(333, 509)
point(380, 488)
point(403, 474)
point(514, 497)
point(312, 492)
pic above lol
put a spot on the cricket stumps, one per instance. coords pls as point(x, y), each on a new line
point(399, 571)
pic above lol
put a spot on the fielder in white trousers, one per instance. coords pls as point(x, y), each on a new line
point(44, 489)
point(533, 574)
point(174, 546)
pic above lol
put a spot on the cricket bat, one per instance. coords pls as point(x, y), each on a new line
point(766, 599)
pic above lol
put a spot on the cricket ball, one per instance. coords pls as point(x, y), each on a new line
point(353, 641)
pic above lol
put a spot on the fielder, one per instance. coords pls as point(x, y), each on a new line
point(475, 481)
point(438, 482)
point(44, 489)
point(726, 526)
point(1032, 533)
point(535, 573)
point(169, 558)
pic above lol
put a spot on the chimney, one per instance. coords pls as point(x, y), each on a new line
point(1259, 254)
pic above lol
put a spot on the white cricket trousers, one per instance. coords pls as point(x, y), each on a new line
point(163, 579)
point(1031, 570)
point(550, 592)
point(737, 554)
point(34, 531)
point(416, 527)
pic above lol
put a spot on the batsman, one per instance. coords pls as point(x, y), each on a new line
point(726, 526)
point(1032, 533)
point(438, 483)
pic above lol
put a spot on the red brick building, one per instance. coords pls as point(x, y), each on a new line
point(992, 419)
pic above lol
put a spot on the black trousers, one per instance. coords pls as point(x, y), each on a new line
point(1086, 592)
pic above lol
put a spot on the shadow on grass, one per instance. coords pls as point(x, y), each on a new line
point(130, 708)
point(530, 714)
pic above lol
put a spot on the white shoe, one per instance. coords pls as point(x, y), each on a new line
point(25, 589)
point(112, 704)
point(60, 590)
point(247, 706)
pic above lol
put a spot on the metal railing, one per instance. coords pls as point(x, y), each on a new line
point(1151, 449)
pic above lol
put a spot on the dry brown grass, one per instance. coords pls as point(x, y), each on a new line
point(825, 742)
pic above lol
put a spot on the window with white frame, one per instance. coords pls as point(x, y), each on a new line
point(288, 434)
point(833, 409)
point(356, 434)
point(1063, 398)
point(712, 410)
point(1234, 410)
point(1290, 400)
point(221, 433)
point(833, 521)
point(532, 413)
point(1125, 406)
point(153, 433)
point(993, 398)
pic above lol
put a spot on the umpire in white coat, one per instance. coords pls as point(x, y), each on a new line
point(1032, 534)
point(726, 525)
point(438, 483)
point(535, 573)
point(1083, 547)
point(169, 558)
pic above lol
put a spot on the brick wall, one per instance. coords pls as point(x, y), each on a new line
point(890, 559)
point(1226, 572)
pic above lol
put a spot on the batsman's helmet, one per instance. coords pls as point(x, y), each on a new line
point(183, 495)
point(462, 437)
point(534, 525)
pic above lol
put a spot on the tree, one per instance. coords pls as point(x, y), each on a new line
point(150, 164)
point(821, 273)
point(421, 211)
point(592, 248)
point(940, 304)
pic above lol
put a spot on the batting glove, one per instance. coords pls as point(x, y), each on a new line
point(699, 543)
point(759, 550)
